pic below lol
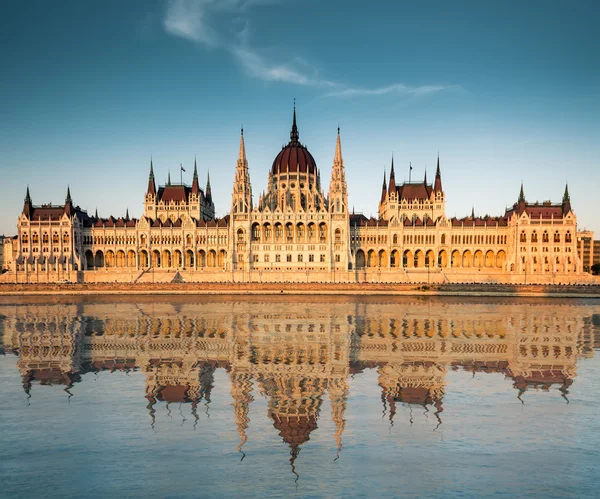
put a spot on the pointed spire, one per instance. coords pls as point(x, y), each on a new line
point(28, 205)
point(437, 187)
point(68, 199)
point(127, 214)
point(566, 203)
point(383, 188)
point(242, 153)
point(195, 184)
point(337, 159)
point(96, 214)
point(208, 191)
point(392, 184)
point(294, 135)
point(169, 178)
point(151, 185)
point(521, 195)
point(473, 211)
point(425, 179)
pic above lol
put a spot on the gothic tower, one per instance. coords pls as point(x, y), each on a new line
point(241, 207)
point(338, 209)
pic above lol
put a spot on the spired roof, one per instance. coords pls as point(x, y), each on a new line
point(414, 191)
point(294, 157)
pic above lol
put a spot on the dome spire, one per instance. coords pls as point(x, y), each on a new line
point(294, 135)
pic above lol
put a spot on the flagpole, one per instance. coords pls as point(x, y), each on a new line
point(181, 172)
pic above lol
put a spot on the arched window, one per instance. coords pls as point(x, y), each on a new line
point(568, 237)
point(523, 237)
point(443, 238)
point(557, 237)
point(545, 237)
point(534, 238)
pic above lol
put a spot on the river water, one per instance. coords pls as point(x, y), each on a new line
point(308, 397)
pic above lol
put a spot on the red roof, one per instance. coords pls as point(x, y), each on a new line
point(412, 191)
point(294, 158)
point(177, 193)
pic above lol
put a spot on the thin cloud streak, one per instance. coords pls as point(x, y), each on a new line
point(396, 88)
point(190, 19)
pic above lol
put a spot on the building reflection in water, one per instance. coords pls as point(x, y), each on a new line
point(297, 354)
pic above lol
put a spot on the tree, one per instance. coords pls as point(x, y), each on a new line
point(596, 269)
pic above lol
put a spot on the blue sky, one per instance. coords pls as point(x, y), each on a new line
point(506, 91)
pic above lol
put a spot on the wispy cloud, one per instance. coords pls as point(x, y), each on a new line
point(197, 21)
point(187, 19)
point(396, 88)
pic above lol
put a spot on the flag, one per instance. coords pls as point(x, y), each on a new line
point(182, 168)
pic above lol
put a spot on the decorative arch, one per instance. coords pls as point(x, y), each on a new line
point(443, 259)
point(177, 259)
point(143, 258)
point(395, 259)
point(189, 258)
point(360, 259)
point(166, 259)
point(456, 259)
point(120, 258)
point(109, 259)
point(221, 258)
point(478, 259)
point(131, 258)
point(89, 259)
point(201, 258)
point(156, 259)
point(490, 259)
point(212, 259)
point(382, 260)
point(408, 259)
point(467, 259)
point(429, 258)
point(371, 258)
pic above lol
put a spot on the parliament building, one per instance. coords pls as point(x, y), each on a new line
point(297, 232)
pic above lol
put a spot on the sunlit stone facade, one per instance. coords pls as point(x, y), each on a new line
point(298, 232)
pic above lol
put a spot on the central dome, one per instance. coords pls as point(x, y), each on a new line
point(294, 157)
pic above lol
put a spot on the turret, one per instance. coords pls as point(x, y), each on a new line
point(28, 205)
point(392, 185)
point(208, 191)
point(437, 186)
point(68, 203)
point(151, 184)
point(566, 202)
point(195, 185)
point(338, 190)
point(383, 188)
point(241, 199)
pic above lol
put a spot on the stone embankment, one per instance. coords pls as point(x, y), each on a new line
point(577, 291)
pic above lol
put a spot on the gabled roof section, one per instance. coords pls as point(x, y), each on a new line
point(414, 191)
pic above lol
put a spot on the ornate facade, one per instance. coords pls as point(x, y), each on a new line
point(298, 232)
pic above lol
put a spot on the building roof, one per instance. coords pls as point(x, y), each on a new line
point(294, 157)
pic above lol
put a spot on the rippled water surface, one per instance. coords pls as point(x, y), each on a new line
point(278, 397)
